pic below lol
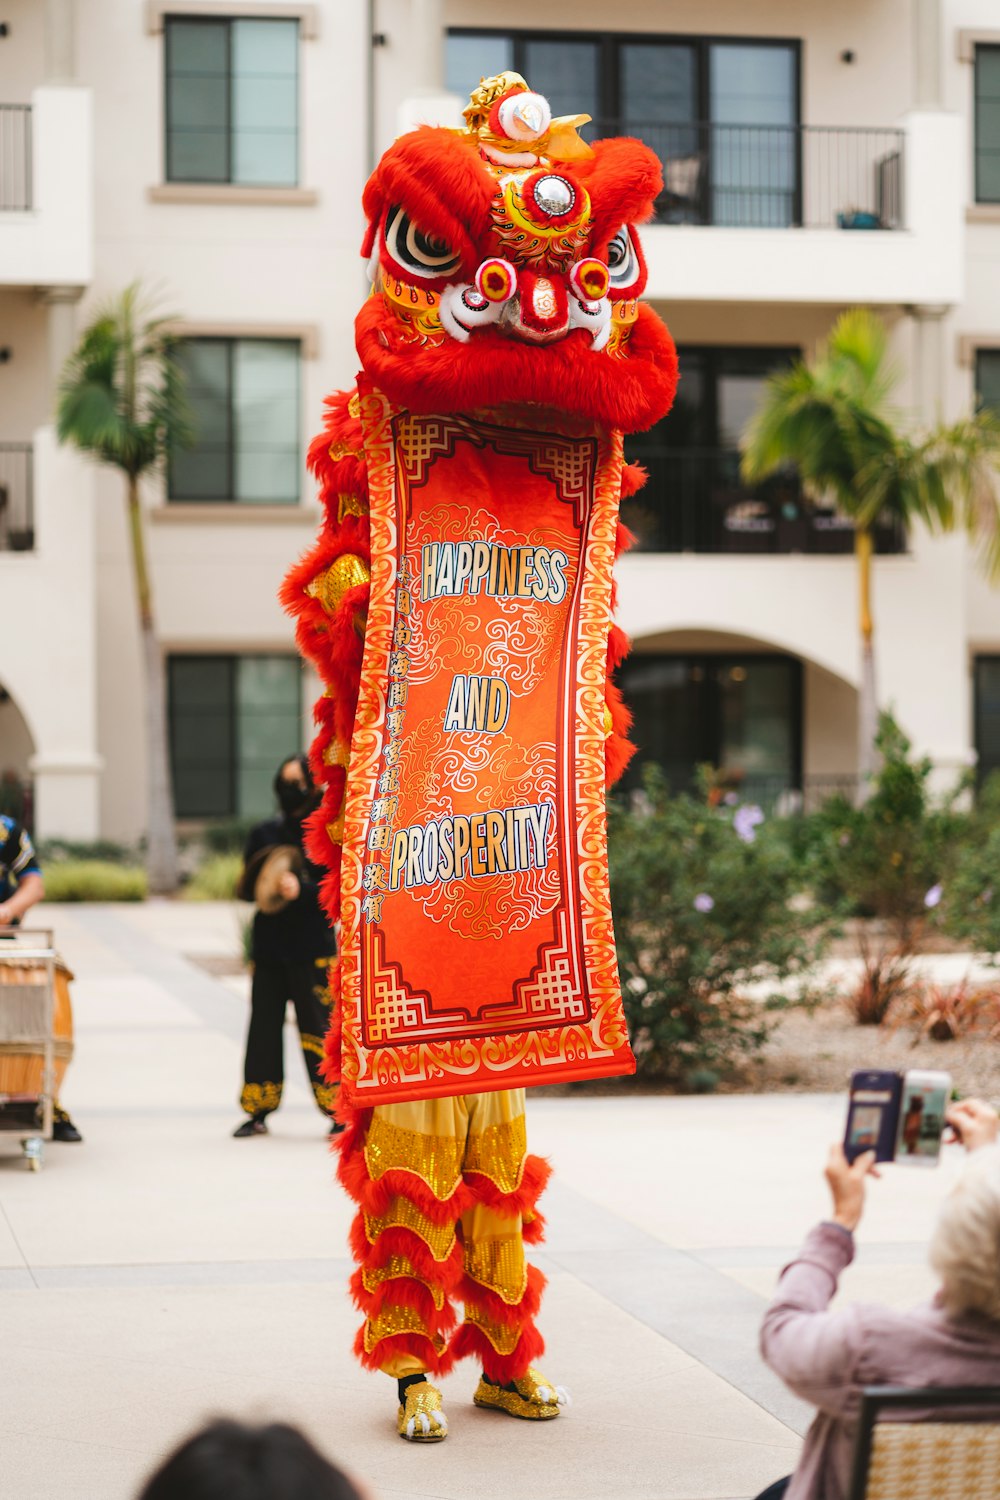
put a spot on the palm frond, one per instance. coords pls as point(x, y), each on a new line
point(122, 391)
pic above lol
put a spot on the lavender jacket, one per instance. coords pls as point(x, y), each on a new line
point(828, 1357)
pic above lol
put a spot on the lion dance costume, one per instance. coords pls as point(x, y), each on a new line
point(457, 605)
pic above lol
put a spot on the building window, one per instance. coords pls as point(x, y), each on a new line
point(988, 379)
point(987, 127)
point(986, 697)
point(232, 721)
point(723, 116)
point(244, 395)
point(232, 101)
point(740, 714)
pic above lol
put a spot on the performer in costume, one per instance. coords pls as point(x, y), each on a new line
point(457, 605)
point(292, 949)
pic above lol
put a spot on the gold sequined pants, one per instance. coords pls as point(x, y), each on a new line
point(447, 1197)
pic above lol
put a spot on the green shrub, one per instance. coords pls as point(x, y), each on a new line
point(703, 909)
point(104, 850)
point(889, 857)
point(214, 879)
point(94, 880)
point(970, 906)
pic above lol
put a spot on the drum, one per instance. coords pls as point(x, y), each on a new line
point(22, 1062)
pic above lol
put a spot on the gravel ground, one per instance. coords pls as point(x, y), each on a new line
point(817, 1052)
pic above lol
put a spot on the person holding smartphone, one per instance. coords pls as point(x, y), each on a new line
point(827, 1357)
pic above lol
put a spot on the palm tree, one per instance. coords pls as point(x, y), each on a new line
point(122, 400)
point(832, 420)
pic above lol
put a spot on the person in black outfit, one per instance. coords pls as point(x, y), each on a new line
point(292, 951)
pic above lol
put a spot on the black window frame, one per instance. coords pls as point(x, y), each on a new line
point(711, 741)
point(230, 340)
point(981, 658)
point(228, 181)
point(980, 48)
point(231, 660)
point(981, 354)
point(609, 79)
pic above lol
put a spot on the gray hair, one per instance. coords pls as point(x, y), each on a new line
point(965, 1249)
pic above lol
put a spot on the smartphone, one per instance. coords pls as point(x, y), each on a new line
point(873, 1114)
point(922, 1104)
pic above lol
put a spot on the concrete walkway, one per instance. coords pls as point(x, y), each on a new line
point(163, 1273)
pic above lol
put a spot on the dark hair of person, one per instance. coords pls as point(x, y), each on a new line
point(231, 1461)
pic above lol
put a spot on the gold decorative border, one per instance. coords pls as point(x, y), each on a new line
point(598, 1048)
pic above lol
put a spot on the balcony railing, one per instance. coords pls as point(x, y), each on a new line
point(17, 501)
point(694, 501)
point(15, 158)
point(775, 176)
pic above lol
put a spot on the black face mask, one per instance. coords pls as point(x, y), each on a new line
point(295, 800)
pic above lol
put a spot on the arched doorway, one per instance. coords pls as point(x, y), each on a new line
point(16, 749)
point(777, 728)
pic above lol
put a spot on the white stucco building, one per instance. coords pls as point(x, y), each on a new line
point(817, 157)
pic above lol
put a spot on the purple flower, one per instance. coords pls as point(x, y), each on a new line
point(703, 902)
point(933, 897)
point(731, 799)
point(844, 840)
point(745, 820)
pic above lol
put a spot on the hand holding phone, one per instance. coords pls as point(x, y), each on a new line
point(846, 1181)
point(975, 1123)
point(899, 1116)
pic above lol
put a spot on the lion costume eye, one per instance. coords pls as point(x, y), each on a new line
point(623, 263)
point(419, 252)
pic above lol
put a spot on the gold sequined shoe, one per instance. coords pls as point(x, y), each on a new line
point(422, 1418)
point(533, 1397)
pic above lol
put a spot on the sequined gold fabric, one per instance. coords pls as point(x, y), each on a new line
point(340, 449)
point(520, 1402)
point(504, 1340)
point(422, 1400)
point(438, 1238)
point(390, 1321)
point(329, 587)
point(395, 1267)
point(435, 1159)
point(499, 1265)
point(337, 753)
point(498, 1153)
point(257, 1098)
point(350, 505)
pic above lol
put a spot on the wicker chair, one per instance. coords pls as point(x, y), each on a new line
point(926, 1456)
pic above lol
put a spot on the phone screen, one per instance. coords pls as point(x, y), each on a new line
point(871, 1115)
point(921, 1117)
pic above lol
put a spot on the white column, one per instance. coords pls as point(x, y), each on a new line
point(60, 41)
point(927, 70)
point(929, 383)
point(61, 303)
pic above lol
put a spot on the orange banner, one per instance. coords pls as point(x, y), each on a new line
point(477, 949)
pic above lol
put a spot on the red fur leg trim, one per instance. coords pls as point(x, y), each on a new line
point(502, 1368)
point(416, 1344)
point(396, 1240)
point(533, 1229)
point(403, 1291)
point(523, 1199)
point(375, 1196)
point(508, 1315)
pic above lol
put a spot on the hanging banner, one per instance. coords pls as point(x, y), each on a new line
point(477, 949)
